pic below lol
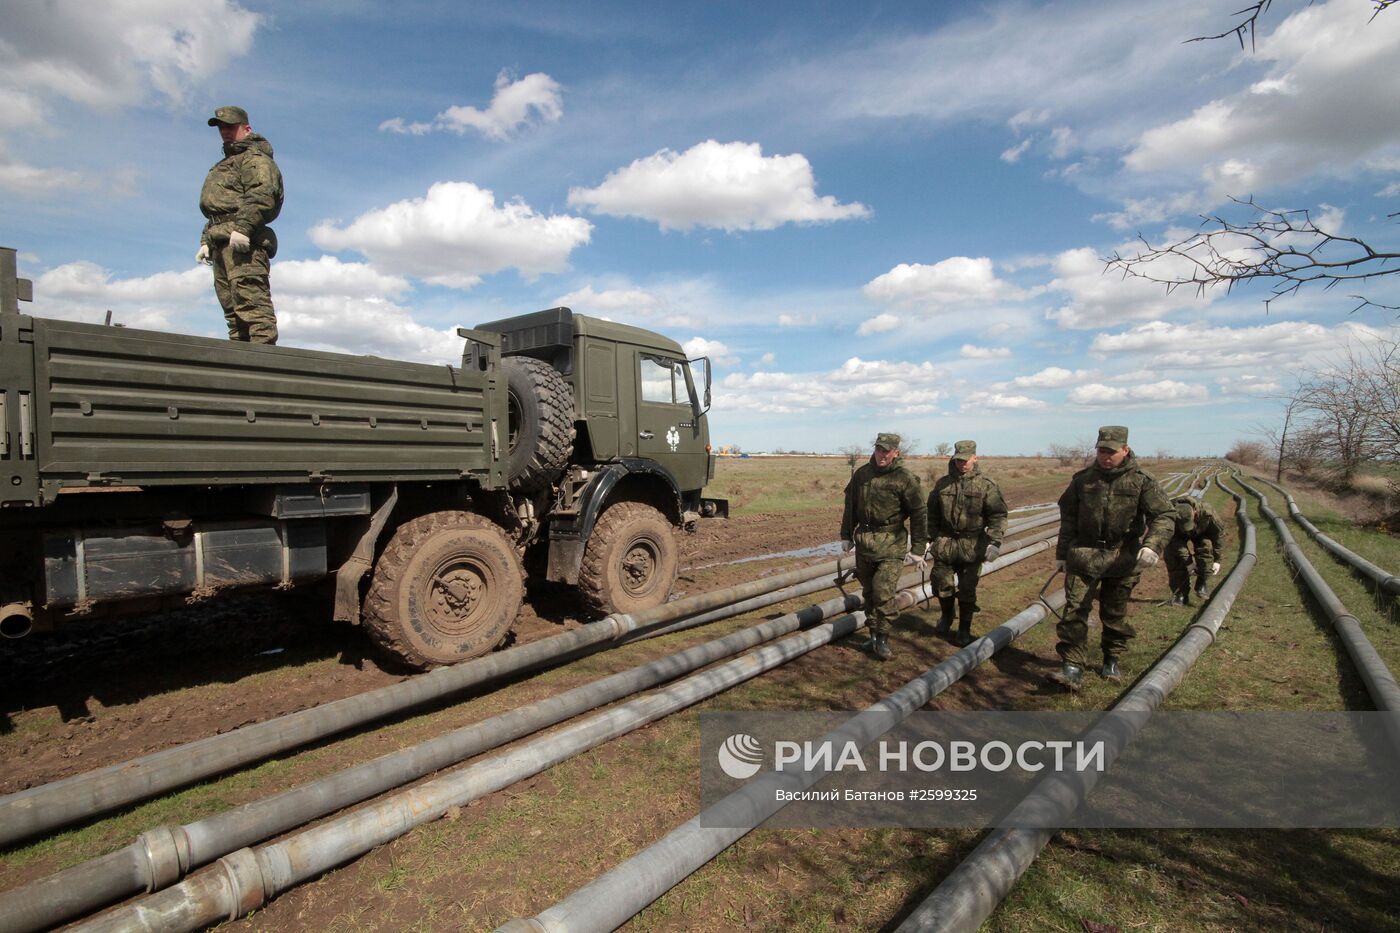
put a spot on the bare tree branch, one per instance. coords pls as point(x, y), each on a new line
point(1249, 25)
point(1285, 247)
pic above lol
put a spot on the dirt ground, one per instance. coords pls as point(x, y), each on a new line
point(105, 692)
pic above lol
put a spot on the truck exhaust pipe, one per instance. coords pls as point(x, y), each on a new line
point(16, 620)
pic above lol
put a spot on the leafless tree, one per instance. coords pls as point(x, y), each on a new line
point(1246, 453)
point(1286, 249)
point(943, 449)
point(854, 454)
point(1070, 454)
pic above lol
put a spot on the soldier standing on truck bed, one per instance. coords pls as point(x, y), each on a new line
point(880, 497)
point(1114, 522)
point(242, 194)
point(967, 520)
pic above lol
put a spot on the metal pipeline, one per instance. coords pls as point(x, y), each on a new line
point(163, 855)
point(16, 620)
point(39, 809)
point(1384, 579)
point(610, 900)
point(968, 895)
point(1379, 681)
point(246, 879)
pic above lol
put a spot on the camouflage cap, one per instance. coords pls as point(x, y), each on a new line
point(233, 116)
point(964, 449)
point(1114, 436)
point(887, 440)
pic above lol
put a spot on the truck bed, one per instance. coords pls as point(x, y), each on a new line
point(91, 405)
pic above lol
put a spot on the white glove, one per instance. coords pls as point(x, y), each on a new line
point(1059, 565)
point(1147, 557)
point(920, 564)
point(1215, 568)
point(847, 544)
point(203, 255)
point(240, 242)
point(992, 553)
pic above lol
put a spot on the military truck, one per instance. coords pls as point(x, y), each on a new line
point(139, 467)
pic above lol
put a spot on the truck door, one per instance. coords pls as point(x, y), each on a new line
point(669, 429)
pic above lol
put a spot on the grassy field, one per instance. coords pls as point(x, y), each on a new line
point(516, 852)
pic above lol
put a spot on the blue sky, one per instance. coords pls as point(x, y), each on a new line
point(885, 216)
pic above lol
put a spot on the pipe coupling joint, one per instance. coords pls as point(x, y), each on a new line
point(245, 882)
point(167, 852)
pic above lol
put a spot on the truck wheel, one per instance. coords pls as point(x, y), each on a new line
point(540, 409)
point(630, 561)
point(447, 588)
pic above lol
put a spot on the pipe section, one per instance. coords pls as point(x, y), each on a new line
point(1386, 581)
point(1380, 683)
point(243, 881)
point(39, 809)
point(163, 855)
point(612, 899)
point(973, 890)
point(16, 620)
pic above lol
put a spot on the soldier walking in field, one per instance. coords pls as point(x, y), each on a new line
point(967, 520)
point(1197, 529)
point(242, 194)
point(880, 498)
point(1114, 522)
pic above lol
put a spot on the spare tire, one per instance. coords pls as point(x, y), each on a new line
point(540, 408)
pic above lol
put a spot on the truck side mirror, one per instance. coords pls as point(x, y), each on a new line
point(702, 362)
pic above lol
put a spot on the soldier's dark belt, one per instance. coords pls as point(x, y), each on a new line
point(878, 528)
point(964, 534)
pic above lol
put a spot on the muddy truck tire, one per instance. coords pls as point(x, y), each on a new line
point(540, 408)
point(446, 588)
point(630, 561)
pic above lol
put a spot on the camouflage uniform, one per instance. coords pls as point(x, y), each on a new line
point(243, 192)
point(1106, 516)
point(1196, 527)
point(878, 502)
point(966, 513)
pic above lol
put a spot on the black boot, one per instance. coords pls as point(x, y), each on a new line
point(945, 621)
point(1201, 590)
point(965, 614)
point(1110, 670)
point(880, 646)
point(1180, 599)
point(1070, 676)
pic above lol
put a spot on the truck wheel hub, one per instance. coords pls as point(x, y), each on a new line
point(456, 592)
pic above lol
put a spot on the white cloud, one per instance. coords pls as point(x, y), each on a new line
point(611, 301)
point(1014, 153)
point(84, 291)
point(1248, 385)
point(767, 359)
point(970, 352)
point(328, 276)
point(1167, 393)
point(1305, 116)
point(796, 320)
point(952, 282)
point(106, 55)
point(1098, 298)
point(998, 401)
point(1061, 142)
point(879, 324)
point(1052, 377)
point(372, 326)
point(858, 385)
point(1199, 346)
point(532, 100)
point(21, 178)
point(456, 234)
point(716, 350)
point(729, 186)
